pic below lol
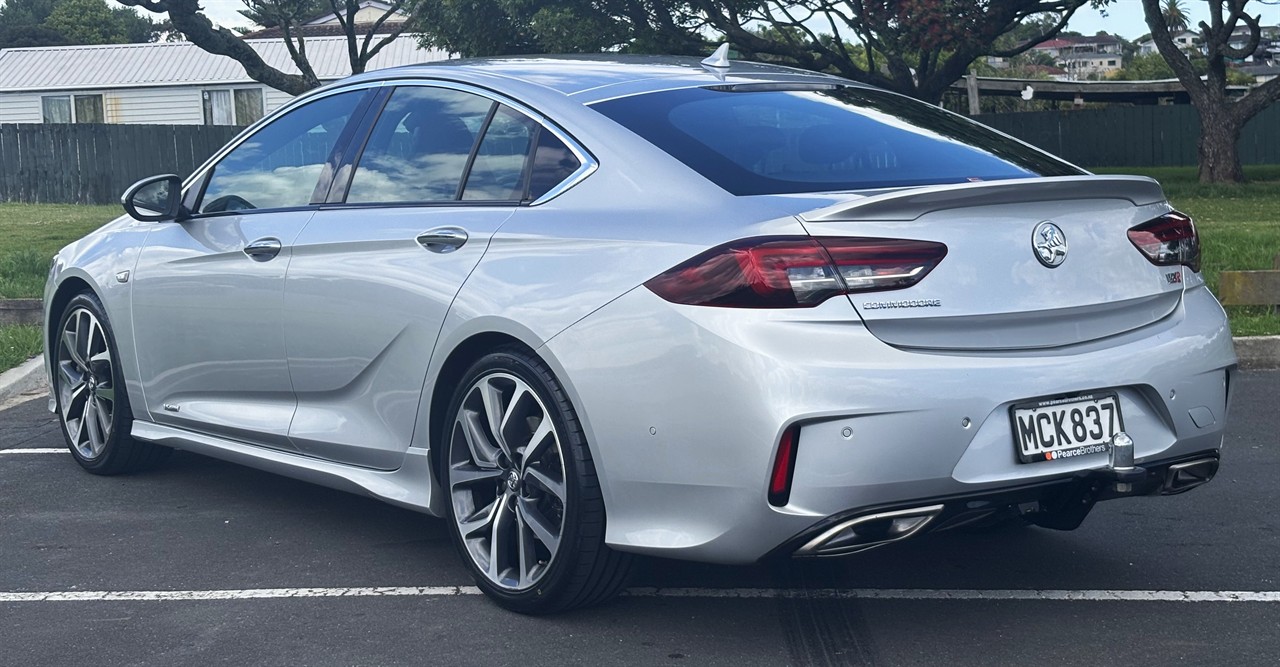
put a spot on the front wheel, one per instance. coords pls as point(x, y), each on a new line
point(88, 387)
point(524, 502)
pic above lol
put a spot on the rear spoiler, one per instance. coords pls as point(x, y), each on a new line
point(911, 203)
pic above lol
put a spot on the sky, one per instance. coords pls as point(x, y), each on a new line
point(1123, 17)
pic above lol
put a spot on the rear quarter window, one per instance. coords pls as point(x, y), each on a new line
point(751, 141)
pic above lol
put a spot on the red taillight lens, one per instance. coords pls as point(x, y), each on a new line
point(795, 272)
point(784, 467)
point(1168, 240)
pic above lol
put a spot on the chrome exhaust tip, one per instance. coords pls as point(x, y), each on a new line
point(870, 531)
point(1182, 477)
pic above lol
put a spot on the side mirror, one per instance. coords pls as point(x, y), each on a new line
point(154, 199)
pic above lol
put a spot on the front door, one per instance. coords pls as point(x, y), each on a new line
point(208, 292)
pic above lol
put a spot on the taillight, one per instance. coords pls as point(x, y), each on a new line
point(784, 467)
point(795, 272)
point(1168, 240)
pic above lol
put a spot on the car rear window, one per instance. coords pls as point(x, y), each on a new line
point(760, 139)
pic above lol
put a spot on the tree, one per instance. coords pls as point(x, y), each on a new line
point(93, 22)
point(514, 27)
point(1175, 15)
point(274, 14)
point(1221, 118)
point(25, 12)
point(58, 22)
point(916, 47)
point(363, 40)
point(1146, 67)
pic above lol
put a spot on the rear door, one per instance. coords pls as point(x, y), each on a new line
point(375, 271)
point(208, 291)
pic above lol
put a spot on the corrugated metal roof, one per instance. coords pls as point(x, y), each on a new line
point(179, 63)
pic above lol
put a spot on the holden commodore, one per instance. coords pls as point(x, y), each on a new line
point(585, 309)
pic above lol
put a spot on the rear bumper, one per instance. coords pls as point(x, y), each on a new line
point(1059, 503)
point(684, 407)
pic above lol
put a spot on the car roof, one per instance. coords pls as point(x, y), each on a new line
point(590, 78)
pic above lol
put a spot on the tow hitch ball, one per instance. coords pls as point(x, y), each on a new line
point(1120, 463)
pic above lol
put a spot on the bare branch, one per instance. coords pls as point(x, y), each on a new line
point(187, 19)
point(298, 53)
point(365, 55)
point(1258, 99)
point(370, 52)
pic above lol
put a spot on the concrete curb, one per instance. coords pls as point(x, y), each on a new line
point(1256, 353)
point(21, 311)
point(21, 384)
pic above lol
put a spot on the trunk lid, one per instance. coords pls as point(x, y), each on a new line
point(992, 291)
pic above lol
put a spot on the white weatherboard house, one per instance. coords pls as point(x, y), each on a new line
point(165, 83)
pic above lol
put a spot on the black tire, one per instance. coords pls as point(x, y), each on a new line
point(583, 571)
point(117, 452)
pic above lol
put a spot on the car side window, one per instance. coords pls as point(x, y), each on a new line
point(280, 165)
point(498, 171)
point(419, 148)
point(553, 162)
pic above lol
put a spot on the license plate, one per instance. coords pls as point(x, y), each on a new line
point(1064, 427)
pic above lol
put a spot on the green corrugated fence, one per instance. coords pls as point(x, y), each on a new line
point(1143, 136)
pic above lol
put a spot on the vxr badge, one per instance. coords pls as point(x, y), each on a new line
point(1050, 244)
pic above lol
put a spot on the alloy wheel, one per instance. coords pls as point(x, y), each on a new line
point(85, 382)
point(506, 478)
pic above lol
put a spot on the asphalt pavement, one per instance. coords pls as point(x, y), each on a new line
point(304, 575)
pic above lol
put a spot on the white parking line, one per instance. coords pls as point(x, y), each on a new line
point(42, 450)
point(722, 593)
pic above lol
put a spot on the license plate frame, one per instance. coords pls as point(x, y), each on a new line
point(1064, 405)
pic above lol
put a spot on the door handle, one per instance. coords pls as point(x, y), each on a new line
point(442, 239)
point(263, 249)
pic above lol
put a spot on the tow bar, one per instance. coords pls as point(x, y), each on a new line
point(1121, 478)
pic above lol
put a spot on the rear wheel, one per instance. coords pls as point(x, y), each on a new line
point(88, 387)
point(524, 502)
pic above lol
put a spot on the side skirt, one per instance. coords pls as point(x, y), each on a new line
point(410, 486)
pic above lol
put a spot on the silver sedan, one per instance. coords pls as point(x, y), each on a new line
point(589, 308)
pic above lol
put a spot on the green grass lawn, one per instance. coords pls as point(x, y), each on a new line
point(31, 233)
point(17, 344)
point(29, 236)
point(1239, 229)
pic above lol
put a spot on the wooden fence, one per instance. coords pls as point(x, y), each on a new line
point(1139, 136)
point(93, 164)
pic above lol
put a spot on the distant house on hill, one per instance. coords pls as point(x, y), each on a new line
point(170, 83)
point(1060, 46)
point(1083, 57)
point(1187, 40)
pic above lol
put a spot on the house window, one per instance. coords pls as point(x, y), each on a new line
point(242, 106)
point(72, 109)
point(248, 105)
point(1111, 63)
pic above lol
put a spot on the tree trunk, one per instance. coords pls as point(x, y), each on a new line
point(1219, 148)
